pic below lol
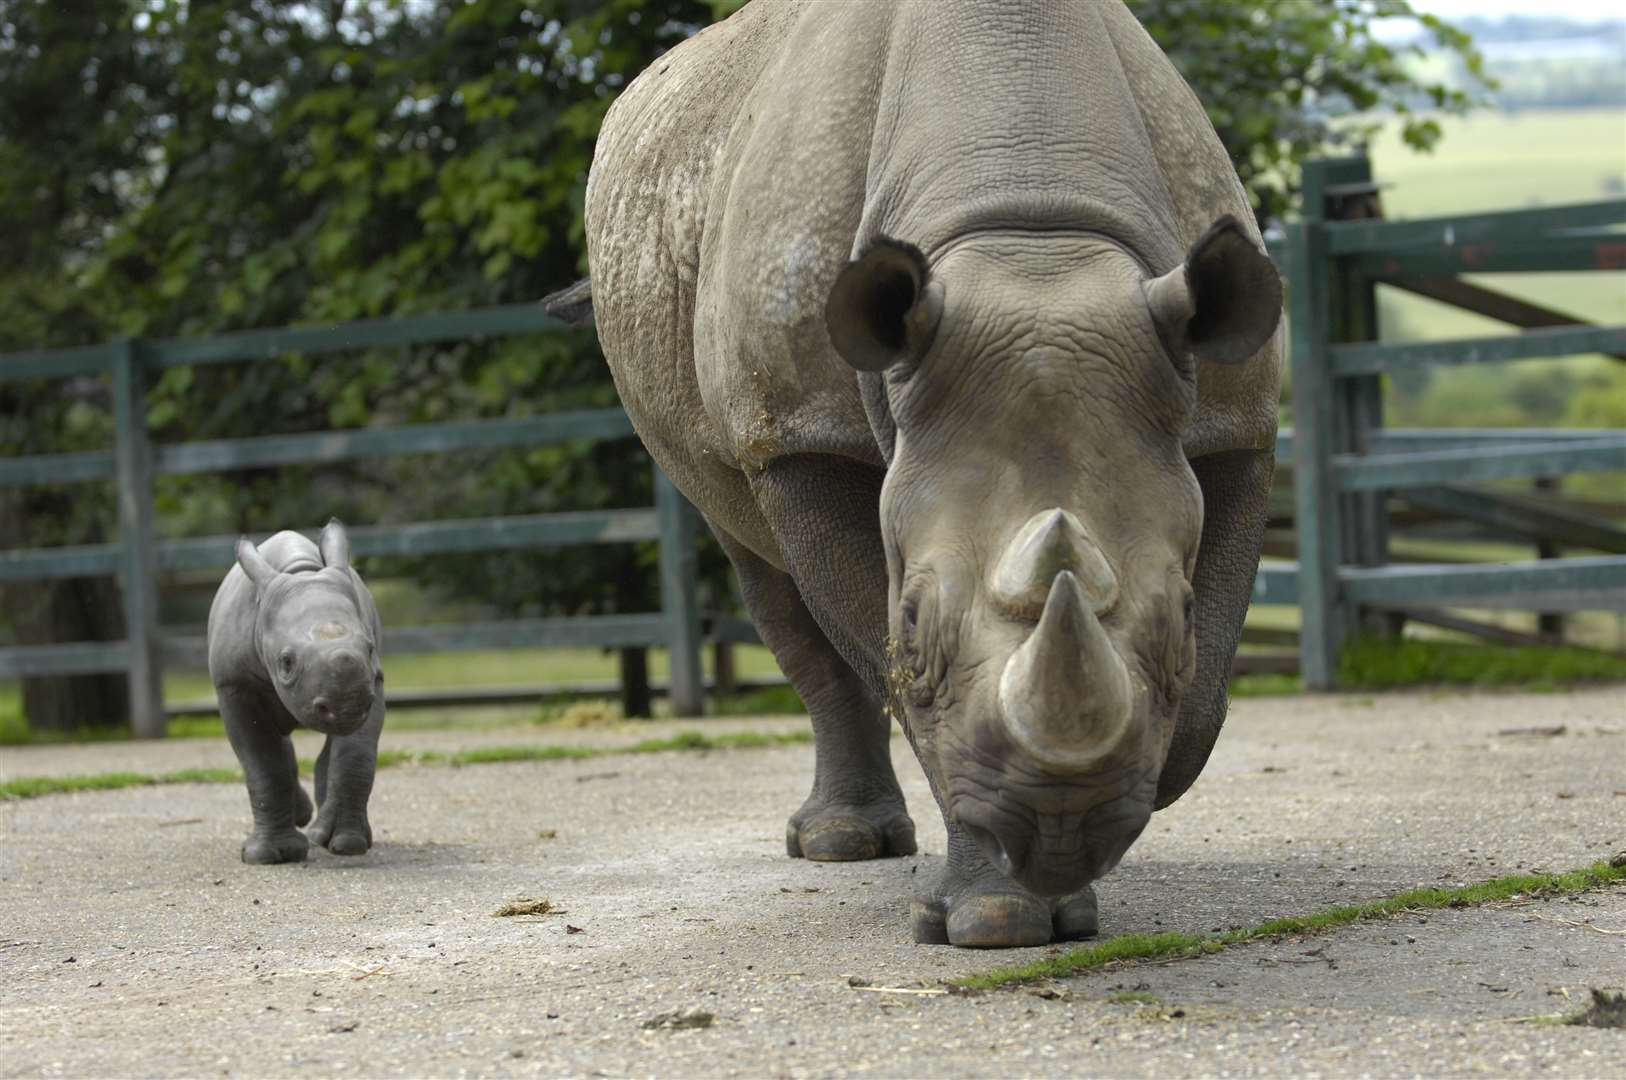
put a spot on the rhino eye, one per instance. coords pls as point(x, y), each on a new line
point(910, 612)
point(285, 662)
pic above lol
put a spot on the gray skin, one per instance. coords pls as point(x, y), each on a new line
point(952, 320)
point(294, 641)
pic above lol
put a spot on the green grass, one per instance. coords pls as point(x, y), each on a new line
point(1383, 664)
point(1251, 686)
point(1172, 944)
point(30, 787)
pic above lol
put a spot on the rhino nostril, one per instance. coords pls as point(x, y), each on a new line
point(993, 849)
point(323, 710)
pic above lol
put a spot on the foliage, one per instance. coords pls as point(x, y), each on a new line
point(215, 165)
point(1282, 79)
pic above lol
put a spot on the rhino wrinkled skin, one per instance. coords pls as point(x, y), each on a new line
point(952, 320)
point(294, 641)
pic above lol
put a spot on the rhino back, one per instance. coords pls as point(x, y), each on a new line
point(736, 177)
point(654, 169)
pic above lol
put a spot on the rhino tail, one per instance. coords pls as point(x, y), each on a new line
point(572, 306)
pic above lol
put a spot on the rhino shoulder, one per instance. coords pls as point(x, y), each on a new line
point(1237, 403)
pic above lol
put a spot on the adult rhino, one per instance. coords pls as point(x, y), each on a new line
point(951, 319)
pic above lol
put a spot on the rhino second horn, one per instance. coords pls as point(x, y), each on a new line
point(1050, 542)
point(1065, 695)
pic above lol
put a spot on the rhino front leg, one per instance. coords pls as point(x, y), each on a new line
point(271, 771)
point(856, 809)
point(973, 905)
point(344, 782)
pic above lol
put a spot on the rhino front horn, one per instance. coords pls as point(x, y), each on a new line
point(1065, 695)
point(1051, 541)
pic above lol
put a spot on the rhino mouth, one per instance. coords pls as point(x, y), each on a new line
point(339, 714)
point(1054, 854)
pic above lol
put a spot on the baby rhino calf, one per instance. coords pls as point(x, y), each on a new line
point(294, 642)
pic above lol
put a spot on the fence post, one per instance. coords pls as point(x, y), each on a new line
point(138, 555)
point(1315, 500)
point(1342, 190)
point(1549, 624)
point(680, 567)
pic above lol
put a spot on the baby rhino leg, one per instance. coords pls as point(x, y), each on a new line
point(344, 783)
point(272, 774)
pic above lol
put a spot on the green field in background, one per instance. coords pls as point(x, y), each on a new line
point(1500, 161)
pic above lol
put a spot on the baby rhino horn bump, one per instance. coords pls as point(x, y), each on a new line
point(1052, 541)
point(1065, 694)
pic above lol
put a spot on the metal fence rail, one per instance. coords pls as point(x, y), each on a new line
point(137, 557)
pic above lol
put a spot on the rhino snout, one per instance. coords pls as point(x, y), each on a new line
point(1057, 855)
point(347, 694)
point(1065, 696)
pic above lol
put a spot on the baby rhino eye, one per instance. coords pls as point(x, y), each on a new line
point(285, 662)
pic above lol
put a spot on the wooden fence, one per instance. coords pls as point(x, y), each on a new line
point(137, 558)
point(1347, 468)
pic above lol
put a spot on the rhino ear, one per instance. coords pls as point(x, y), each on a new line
point(884, 308)
point(1223, 304)
point(253, 563)
point(335, 544)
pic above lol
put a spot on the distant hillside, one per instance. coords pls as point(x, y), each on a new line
point(1544, 61)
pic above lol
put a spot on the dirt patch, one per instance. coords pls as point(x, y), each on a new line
point(524, 906)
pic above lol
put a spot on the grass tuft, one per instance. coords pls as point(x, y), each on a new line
point(1384, 664)
point(1174, 944)
point(32, 787)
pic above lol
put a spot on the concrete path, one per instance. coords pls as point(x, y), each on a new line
point(133, 941)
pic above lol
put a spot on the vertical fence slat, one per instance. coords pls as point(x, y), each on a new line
point(1315, 498)
point(138, 554)
point(680, 571)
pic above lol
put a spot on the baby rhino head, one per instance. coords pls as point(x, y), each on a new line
point(312, 637)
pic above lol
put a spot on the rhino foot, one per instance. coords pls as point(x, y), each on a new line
point(1003, 918)
point(344, 838)
point(283, 846)
point(837, 832)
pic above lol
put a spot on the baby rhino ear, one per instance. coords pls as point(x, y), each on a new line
point(253, 563)
point(335, 544)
